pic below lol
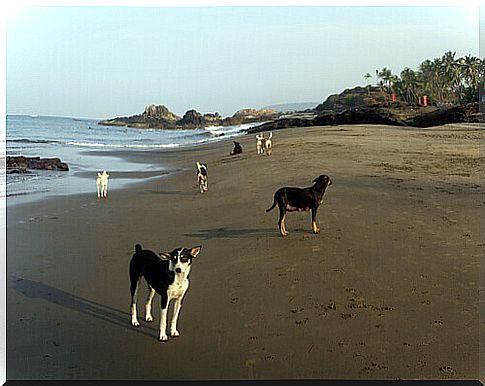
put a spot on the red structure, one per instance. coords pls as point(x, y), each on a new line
point(423, 100)
point(393, 97)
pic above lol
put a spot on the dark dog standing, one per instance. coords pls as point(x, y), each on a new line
point(298, 199)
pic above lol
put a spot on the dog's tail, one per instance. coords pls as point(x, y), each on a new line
point(274, 204)
point(138, 248)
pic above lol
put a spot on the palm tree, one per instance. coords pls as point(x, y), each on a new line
point(409, 85)
point(451, 75)
point(444, 79)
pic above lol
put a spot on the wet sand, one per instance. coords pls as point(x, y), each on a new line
point(388, 290)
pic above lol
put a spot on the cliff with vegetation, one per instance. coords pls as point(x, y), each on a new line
point(443, 90)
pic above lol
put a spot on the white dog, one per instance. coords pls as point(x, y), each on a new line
point(259, 143)
point(264, 145)
point(102, 184)
point(268, 145)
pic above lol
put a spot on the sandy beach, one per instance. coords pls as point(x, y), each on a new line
point(388, 290)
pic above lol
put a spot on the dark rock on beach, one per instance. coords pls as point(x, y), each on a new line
point(450, 114)
point(22, 164)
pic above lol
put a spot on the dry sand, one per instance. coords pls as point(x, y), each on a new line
point(388, 290)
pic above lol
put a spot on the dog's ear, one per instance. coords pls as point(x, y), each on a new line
point(315, 180)
point(195, 250)
point(165, 255)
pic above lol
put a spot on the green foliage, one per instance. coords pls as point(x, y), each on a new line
point(443, 80)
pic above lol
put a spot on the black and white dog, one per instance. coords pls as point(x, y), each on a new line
point(166, 274)
point(202, 178)
point(297, 199)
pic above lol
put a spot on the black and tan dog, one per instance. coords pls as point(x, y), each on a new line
point(298, 199)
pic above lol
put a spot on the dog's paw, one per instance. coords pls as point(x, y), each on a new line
point(135, 323)
point(148, 318)
point(316, 231)
point(174, 333)
point(163, 338)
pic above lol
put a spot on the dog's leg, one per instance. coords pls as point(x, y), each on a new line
point(173, 324)
point(163, 318)
point(315, 228)
point(281, 222)
point(98, 188)
point(148, 305)
point(134, 293)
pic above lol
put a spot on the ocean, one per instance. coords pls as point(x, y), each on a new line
point(72, 139)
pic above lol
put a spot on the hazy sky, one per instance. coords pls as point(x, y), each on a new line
point(110, 61)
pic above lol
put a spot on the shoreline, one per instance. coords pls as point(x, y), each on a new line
point(119, 162)
point(400, 241)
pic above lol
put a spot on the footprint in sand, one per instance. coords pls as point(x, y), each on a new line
point(347, 316)
point(301, 322)
point(448, 370)
point(374, 367)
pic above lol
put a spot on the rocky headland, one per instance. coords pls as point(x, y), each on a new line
point(160, 117)
point(368, 106)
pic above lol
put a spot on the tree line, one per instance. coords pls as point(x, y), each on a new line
point(443, 80)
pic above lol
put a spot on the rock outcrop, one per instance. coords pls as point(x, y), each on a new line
point(160, 117)
point(22, 164)
point(395, 115)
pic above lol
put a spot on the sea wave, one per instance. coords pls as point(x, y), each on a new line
point(95, 144)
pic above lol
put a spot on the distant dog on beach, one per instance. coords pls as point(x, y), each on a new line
point(264, 145)
point(166, 274)
point(102, 184)
point(237, 148)
point(268, 145)
point(298, 199)
point(259, 143)
point(202, 178)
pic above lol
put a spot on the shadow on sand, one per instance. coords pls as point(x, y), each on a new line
point(232, 233)
point(37, 290)
point(173, 192)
